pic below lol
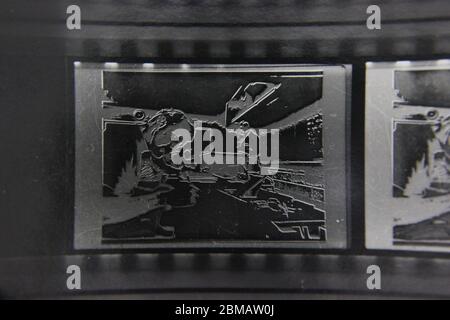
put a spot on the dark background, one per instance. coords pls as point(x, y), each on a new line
point(37, 132)
point(408, 148)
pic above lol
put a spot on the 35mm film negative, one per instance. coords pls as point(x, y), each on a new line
point(408, 155)
point(210, 156)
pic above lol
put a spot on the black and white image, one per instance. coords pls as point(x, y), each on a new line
point(420, 158)
point(147, 198)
